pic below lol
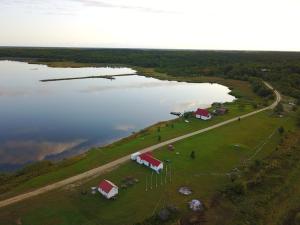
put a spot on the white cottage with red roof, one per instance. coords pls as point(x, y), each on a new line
point(148, 160)
point(108, 189)
point(202, 114)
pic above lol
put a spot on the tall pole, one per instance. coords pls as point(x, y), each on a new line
point(166, 174)
point(156, 180)
point(170, 174)
point(151, 180)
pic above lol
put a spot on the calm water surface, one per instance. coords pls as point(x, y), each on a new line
point(54, 120)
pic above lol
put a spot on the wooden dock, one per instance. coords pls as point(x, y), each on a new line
point(109, 77)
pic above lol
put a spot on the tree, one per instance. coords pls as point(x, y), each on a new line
point(159, 138)
point(193, 155)
point(239, 188)
point(281, 130)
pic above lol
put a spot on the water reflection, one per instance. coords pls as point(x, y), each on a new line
point(23, 151)
point(59, 119)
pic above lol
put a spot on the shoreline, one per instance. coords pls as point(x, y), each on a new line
point(119, 161)
point(139, 71)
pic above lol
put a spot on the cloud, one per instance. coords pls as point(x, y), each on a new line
point(95, 89)
point(65, 7)
point(12, 93)
point(17, 92)
point(23, 151)
point(106, 4)
point(124, 127)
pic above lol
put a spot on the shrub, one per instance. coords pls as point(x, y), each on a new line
point(236, 188)
point(193, 155)
point(281, 130)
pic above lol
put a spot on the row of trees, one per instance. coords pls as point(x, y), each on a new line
point(260, 88)
point(282, 68)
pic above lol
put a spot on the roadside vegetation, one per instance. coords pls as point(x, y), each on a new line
point(217, 152)
point(41, 173)
point(266, 192)
point(246, 172)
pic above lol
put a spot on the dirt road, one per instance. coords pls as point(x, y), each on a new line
point(101, 169)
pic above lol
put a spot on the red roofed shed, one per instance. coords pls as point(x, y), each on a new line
point(203, 114)
point(108, 189)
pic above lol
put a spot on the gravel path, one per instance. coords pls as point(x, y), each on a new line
point(101, 169)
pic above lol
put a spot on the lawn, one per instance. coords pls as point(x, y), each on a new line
point(217, 152)
point(147, 137)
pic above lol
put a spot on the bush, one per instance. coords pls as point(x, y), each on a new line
point(281, 130)
point(260, 88)
point(193, 155)
point(237, 188)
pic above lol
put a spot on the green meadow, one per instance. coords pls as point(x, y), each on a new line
point(217, 153)
point(146, 137)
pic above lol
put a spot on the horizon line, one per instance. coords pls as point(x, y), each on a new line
point(141, 48)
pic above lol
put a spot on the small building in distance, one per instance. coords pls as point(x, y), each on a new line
point(202, 114)
point(148, 160)
point(220, 111)
point(108, 189)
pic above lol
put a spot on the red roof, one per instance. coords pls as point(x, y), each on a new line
point(106, 186)
point(202, 112)
point(150, 159)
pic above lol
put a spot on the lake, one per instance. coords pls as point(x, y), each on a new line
point(54, 120)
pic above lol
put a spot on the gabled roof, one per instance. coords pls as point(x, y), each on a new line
point(106, 186)
point(150, 159)
point(202, 112)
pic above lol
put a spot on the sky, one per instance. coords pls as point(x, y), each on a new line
point(174, 24)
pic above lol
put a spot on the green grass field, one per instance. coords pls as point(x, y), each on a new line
point(272, 190)
point(147, 137)
point(216, 154)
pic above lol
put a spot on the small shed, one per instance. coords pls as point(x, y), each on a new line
point(220, 111)
point(148, 160)
point(108, 189)
point(202, 114)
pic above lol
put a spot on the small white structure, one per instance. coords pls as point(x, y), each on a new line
point(93, 190)
point(202, 114)
point(148, 160)
point(196, 205)
point(185, 191)
point(108, 189)
point(134, 155)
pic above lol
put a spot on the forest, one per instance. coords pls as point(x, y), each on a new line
point(281, 68)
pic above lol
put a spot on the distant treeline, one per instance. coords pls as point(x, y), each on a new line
point(281, 68)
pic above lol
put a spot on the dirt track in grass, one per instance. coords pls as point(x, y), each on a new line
point(102, 169)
